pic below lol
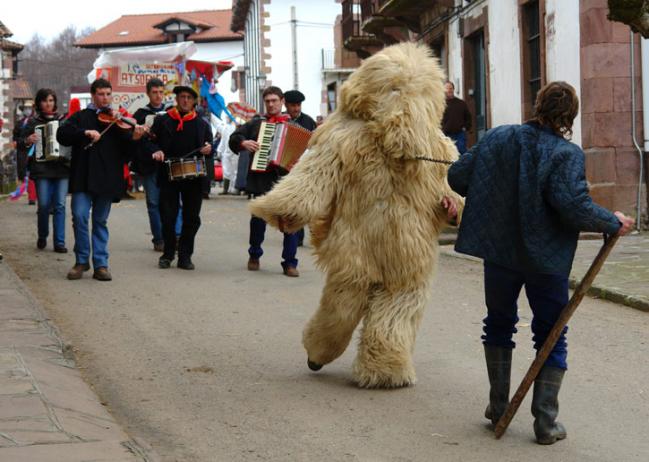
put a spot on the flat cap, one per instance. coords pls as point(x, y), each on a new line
point(293, 96)
point(183, 88)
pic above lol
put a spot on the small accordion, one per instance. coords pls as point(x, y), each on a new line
point(46, 148)
point(280, 145)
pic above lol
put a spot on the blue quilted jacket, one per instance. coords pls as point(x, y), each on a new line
point(526, 200)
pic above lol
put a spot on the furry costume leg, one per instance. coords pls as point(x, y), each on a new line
point(329, 331)
point(387, 341)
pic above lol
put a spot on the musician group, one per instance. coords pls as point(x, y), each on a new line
point(84, 153)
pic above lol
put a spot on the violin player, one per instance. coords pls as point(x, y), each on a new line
point(100, 149)
point(179, 134)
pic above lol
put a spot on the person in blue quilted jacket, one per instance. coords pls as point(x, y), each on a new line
point(526, 202)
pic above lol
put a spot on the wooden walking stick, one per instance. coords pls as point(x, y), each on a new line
point(553, 336)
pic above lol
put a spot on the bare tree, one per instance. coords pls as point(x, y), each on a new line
point(58, 64)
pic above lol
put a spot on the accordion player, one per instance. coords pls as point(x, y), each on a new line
point(280, 146)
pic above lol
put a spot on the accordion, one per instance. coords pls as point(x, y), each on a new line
point(46, 148)
point(280, 146)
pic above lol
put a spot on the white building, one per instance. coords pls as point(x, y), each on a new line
point(284, 50)
point(209, 30)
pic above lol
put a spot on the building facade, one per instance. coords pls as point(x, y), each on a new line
point(13, 92)
point(284, 45)
point(498, 53)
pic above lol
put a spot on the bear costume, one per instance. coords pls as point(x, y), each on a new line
point(375, 211)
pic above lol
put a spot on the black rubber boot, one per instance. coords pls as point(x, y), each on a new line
point(499, 366)
point(545, 406)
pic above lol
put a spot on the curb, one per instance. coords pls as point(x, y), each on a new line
point(596, 291)
point(138, 447)
point(613, 295)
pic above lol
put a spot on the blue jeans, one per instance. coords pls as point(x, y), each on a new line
point(460, 141)
point(257, 232)
point(152, 192)
point(51, 195)
point(547, 295)
point(81, 204)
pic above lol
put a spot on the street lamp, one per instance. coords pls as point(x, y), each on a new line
point(261, 80)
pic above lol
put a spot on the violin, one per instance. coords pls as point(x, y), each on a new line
point(121, 118)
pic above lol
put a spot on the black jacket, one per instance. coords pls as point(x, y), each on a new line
point(142, 162)
point(176, 144)
point(257, 183)
point(305, 121)
point(100, 168)
point(50, 169)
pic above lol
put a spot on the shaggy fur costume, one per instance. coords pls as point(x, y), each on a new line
point(374, 210)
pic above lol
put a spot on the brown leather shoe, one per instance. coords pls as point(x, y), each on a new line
point(102, 274)
point(291, 271)
point(253, 264)
point(77, 271)
point(159, 246)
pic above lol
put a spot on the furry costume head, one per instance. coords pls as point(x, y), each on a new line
point(399, 93)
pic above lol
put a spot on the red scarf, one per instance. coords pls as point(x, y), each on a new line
point(174, 114)
point(277, 119)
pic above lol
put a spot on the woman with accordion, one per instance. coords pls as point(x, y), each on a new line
point(48, 167)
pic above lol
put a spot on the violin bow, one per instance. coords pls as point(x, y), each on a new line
point(101, 133)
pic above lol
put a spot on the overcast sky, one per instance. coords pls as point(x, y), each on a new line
point(48, 18)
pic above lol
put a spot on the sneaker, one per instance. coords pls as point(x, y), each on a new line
point(77, 271)
point(159, 246)
point(41, 243)
point(164, 262)
point(291, 271)
point(185, 263)
point(102, 274)
point(60, 249)
point(253, 264)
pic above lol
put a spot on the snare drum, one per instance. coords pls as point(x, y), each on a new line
point(182, 169)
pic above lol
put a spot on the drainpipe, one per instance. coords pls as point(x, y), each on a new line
point(645, 108)
point(645, 112)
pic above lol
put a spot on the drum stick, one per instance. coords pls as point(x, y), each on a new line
point(555, 333)
point(194, 151)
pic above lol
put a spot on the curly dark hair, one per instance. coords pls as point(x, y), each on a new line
point(556, 107)
point(41, 95)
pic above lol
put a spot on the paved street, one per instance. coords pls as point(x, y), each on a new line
point(208, 365)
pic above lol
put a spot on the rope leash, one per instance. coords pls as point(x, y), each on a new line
point(439, 161)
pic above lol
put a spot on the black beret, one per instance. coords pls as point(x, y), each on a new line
point(182, 88)
point(293, 96)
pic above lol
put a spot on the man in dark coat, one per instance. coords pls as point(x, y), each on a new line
point(526, 201)
point(293, 102)
point(457, 118)
point(175, 135)
point(145, 166)
point(244, 138)
point(96, 177)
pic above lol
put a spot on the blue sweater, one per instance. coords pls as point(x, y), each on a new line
point(526, 200)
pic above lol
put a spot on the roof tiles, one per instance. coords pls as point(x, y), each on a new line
point(138, 29)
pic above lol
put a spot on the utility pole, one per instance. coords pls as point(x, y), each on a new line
point(294, 47)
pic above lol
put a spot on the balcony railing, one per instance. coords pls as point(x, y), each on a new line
point(328, 59)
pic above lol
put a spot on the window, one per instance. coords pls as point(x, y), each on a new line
point(532, 50)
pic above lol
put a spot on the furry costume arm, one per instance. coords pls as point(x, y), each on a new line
point(302, 196)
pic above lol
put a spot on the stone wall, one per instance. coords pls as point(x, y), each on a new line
point(612, 163)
